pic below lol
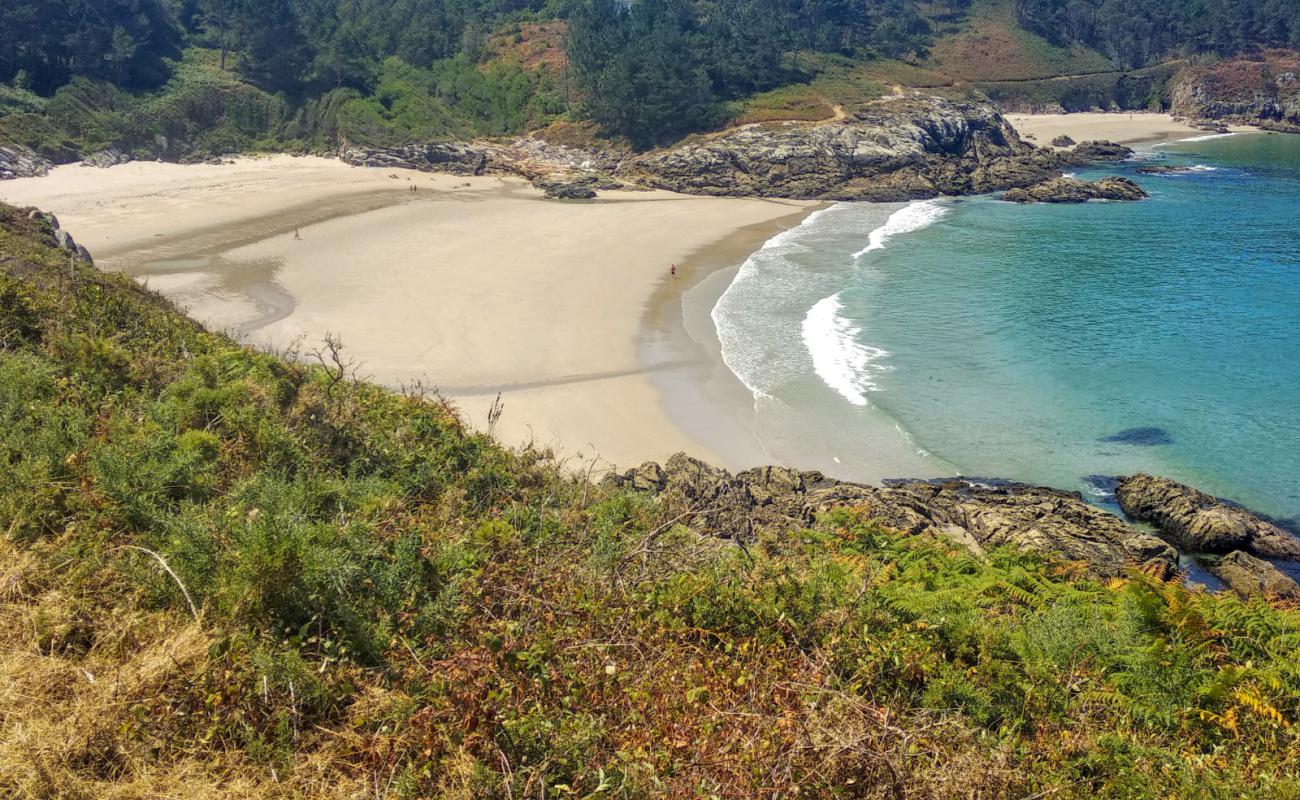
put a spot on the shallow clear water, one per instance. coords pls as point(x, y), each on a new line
point(990, 339)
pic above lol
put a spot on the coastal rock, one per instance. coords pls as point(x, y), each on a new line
point(1260, 90)
point(1199, 523)
point(1164, 169)
point(892, 149)
point(1248, 576)
point(1072, 190)
point(567, 186)
point(106, 158)
point(977, 516)
point(17, 161)
point(455, 158)
point(1063, 141)
point(1092, 152)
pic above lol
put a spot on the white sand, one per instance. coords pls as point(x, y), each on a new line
point(474, 289)
point(1123, 128)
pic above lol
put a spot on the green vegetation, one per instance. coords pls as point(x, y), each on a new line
point(1137, 33)
point(188, 79)
point(229, 574)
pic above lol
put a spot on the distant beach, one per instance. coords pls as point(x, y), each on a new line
point(1130, 128)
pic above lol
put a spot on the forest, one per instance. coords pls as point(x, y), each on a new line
point(388, 71)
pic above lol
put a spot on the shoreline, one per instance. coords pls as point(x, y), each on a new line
point(713, 405)
point(474, 286)
point(1121, 127)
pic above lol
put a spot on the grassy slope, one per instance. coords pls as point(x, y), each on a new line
point(386, 605)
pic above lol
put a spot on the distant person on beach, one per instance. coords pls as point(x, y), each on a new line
point(674, 270)
point(296, 236)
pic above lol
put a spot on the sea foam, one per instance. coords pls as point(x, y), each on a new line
point(841, 361)
point(914, 217)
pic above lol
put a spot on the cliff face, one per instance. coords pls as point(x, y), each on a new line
point(1264, 91)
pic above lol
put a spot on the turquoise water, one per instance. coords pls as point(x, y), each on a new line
point(982, 338)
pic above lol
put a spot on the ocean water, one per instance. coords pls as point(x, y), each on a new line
point(1059, 345)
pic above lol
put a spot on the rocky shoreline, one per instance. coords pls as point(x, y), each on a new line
point(1231, 542)
point(894, 149)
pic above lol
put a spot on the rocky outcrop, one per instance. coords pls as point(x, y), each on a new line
point(1164, 169)
point(1199, 523)
point(1248, 576)
point(61, 238)
point(570, 186)
point(1263, 90)
point(17, 161)
point(778, 499)
point(893, 149)
point(455, 158)
point(1072, 190)
point(106, 158)
point(1063, 141)
point(1093, 152)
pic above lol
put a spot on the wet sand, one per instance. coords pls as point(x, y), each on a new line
point(473, 286)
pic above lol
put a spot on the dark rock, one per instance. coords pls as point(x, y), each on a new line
point(1248, 576)
point(1063, 141)
point(1092, 152)
point(893, 149)
point(17, 161)
point(110, 157)
point(456, 158)
point(1140, 437)
point(1199, 523)
point(978, 516)
point(1164, 169)
point(1072, 190)
point(567, 186)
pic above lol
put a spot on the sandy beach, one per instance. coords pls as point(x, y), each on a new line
point(1124, 128)
point(473, 286)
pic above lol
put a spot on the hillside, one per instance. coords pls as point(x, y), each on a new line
point(195, 80)
point(228, 574)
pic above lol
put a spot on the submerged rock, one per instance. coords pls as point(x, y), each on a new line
point(1140, 437)
point(977, 516)
point(1247, 576)
point(1199, 523)
point(1164, 169)
point(1072, 190)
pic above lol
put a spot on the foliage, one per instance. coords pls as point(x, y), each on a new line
point(1135, 33)
point(387, 604)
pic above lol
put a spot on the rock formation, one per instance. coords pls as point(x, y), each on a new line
point(106, 158)
point(1247, 576)
point(778, 499)
point(455, 158)
point(1072, 190)
point(1063, 141)
point(1091, 152)
point(1261, 90)
point(61, 238)
point(893, 149)
point(1164, 169)
point(17, 161)
point(1199, 523)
